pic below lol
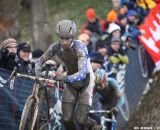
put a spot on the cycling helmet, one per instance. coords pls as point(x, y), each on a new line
point(66, 29)
point(99, 75)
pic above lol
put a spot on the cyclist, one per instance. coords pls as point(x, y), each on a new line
point(109, 89)
point(79, 79)
point(111, 95)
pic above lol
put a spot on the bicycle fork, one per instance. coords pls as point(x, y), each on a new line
point(36, 107)
point(112, 121)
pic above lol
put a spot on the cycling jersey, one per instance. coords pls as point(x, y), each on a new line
point(111, 94)
point(80, 73)
point(76, 59)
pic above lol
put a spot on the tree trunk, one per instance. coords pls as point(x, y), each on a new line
point(9, 25)
point(40, 24)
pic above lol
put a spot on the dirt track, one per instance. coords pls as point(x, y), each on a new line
point(147, 117)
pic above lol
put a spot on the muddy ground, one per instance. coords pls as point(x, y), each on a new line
point(147, 116)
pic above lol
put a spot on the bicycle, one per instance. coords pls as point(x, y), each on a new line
point(104, 119)
point(36, 111)
point(143, 61)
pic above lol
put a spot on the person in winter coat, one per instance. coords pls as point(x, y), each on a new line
point(8, 53)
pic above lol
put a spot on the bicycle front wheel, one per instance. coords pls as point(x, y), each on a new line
point(43, 117)
point(27, 114)
point(143, 61)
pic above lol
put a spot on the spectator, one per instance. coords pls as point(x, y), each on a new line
point(113, 30)
point(97, 61)
point(23, 54)
point(8, 54)
point(133, 21)
point(116, 54)
point(101, 48)
point(142, 13)
point(122, 22)
point(94, 24)
point(112, 15)
point(146, 4)
point(84, 37)
point(132, 17)
point(37, 53)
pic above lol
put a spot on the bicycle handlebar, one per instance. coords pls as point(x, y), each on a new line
point(14, 74)
point(36, 78)
point(102, 111)
point(99, 111)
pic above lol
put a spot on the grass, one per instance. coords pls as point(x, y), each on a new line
point(64, 9)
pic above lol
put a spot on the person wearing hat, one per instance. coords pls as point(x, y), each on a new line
point(122, 22)
point(37, 53)
point(112, 15)
point(23, 58)
point(97, 61)
point(133, 22)
point(113, 30)
point(116, 54)
point(8, 53)
point(93, 24)
point(132, 17)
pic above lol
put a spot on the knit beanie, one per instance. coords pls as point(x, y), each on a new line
point(24, 46)
point(113, 27)
point(7, 42)
point(121, 16)
point(115, 39)
point(97, 58)
point(37, 53)
point(131, 13)
point(90, 13)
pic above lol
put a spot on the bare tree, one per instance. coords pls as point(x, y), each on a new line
point(40, 24)
point(9, 25)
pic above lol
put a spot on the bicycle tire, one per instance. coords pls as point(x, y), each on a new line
point(125, 110)
point(27, 114)
point(143, 61)
point(42, 120)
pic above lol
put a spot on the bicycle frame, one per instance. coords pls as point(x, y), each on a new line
point(37, 93)
point(104, 119)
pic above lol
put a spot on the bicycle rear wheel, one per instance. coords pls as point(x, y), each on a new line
point(27, 115)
